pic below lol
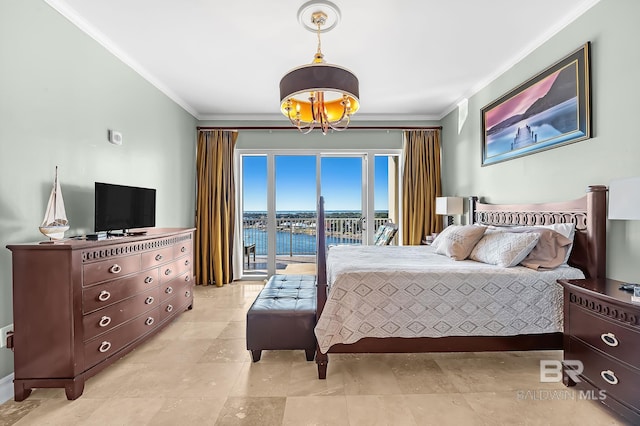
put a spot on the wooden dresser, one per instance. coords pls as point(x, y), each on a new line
point(602, 330)
point(80, 305)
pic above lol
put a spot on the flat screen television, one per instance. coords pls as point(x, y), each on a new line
point(120, 207)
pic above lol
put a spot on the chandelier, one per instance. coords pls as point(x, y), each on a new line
point(319, 95)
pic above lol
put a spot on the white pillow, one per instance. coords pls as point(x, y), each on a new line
point(442, 236)
point(504, 249)
point(458, 242)
point(567, 230)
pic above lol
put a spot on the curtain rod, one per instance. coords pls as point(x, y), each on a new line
point(236, 128)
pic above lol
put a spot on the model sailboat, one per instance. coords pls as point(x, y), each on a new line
point(55, 221)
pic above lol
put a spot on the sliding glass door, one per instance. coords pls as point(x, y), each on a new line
point(341, 180)
point(295, 209)
point(279, 200)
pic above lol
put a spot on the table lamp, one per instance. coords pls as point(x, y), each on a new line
point(448, 206)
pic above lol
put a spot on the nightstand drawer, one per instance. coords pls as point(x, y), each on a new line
point(612, 338)
point(617, 379)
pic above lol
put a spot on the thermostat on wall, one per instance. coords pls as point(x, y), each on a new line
point(115, 137)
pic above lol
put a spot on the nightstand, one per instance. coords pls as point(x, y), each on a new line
point(602, 330)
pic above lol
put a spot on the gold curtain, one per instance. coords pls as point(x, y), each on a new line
point(421, 185)
point(215, 207)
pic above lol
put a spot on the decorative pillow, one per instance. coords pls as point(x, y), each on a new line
point(567, 230)
point(458, 241)
point(550, 251)
point(441, 236)
point(504, 249)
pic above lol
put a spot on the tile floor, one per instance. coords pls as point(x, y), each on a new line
point(198, 371)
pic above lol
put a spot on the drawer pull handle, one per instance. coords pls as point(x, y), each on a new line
point(169, 308)
point(169, 290)
point(104, 346)
point(149, 300)
point(183, 249)
point(148, 280)
point(105, 321)
point(186, 262)
point(609, 377)
point(609, 339)
point(104, 296)
point(115, 269)
point(149, 321)
point(187, 293)
point(167, 272)
point(158, 257)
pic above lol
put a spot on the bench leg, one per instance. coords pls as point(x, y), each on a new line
point(255, 355)
point(310, 354)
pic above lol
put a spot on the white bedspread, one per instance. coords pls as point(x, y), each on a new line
point(391, 291)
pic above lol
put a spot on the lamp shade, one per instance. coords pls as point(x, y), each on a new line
point(624, 199)
point(449, 205)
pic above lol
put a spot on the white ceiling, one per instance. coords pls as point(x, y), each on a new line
point(415, 59)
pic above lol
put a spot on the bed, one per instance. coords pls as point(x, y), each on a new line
point(347, 323)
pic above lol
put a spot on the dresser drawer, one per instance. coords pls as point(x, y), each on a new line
point(596, 365)
point(175, 286)
point(181, 249)
point(614, 339)
point(108, 318)
point(110, 269)
point(177, 303)
point(157, 257)
point(106, 294)
point(171, 270)
point(109, 343)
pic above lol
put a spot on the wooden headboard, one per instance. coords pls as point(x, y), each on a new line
point(588, 213)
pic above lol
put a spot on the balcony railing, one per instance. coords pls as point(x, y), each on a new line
point(297, 236)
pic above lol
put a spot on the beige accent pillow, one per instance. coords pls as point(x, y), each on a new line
point(504, 249)
point(550, 252)
point(458, 240)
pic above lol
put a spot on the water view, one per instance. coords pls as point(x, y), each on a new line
point(296, 231)
point(541, 125)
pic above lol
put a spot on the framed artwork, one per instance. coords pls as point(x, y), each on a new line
point(551, 109)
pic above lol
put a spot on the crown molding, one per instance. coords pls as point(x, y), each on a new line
point(72, 16)
point(535, 44)
point(279, 117)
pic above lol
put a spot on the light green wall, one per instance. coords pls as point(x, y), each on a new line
point(565, 172)
point(60, 92)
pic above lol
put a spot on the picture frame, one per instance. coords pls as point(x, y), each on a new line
point(551, 109)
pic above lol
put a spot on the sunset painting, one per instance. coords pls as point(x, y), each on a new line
point(549, 110)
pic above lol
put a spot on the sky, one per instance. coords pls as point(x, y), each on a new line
point(341, 183)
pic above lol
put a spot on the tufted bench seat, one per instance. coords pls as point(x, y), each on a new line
point(283, 316)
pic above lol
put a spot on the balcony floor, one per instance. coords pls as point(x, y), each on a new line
point(285, 264)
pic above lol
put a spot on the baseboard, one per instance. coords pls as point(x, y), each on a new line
point(6, 388)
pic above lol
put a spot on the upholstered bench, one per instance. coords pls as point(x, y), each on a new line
point(283, 316)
